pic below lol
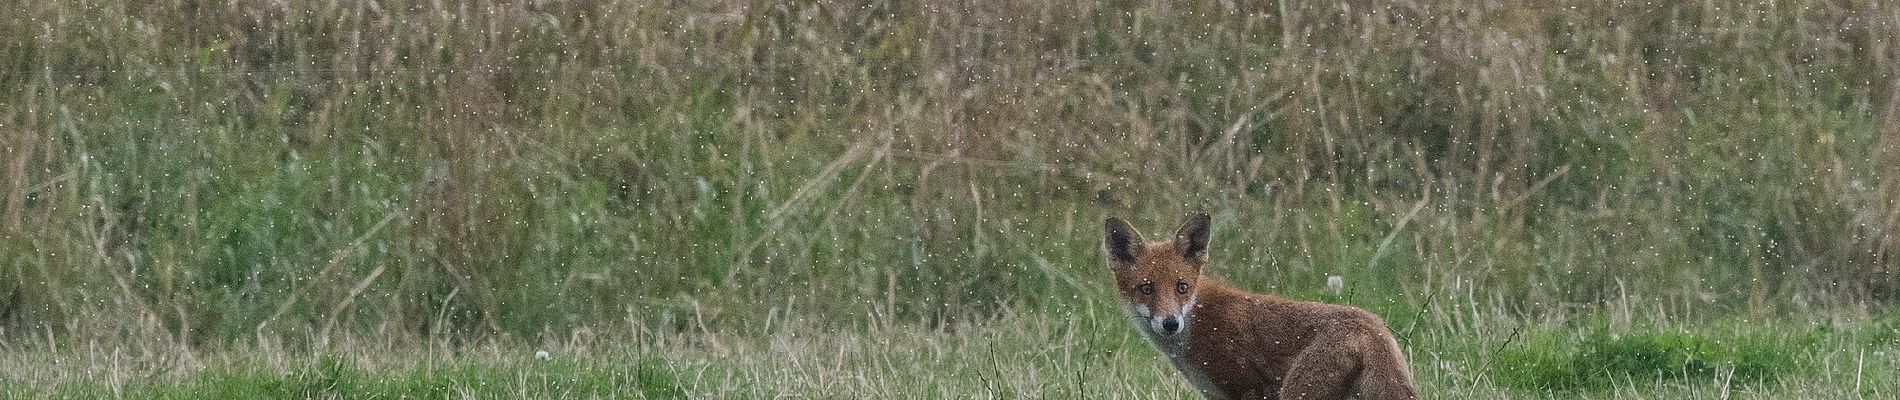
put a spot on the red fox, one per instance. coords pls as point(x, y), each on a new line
point(1237, 345)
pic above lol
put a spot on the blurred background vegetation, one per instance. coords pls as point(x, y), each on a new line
point(201, 173)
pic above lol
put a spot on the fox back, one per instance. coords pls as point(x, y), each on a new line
point(1232, 344)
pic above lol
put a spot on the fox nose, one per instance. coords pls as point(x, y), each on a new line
point(1170, 325)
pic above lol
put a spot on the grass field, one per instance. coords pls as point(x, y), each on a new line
point(1093, 354)
point(873, 198)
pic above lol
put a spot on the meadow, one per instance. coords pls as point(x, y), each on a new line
point(1564, 199)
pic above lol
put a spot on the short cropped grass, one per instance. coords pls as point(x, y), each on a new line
point(1089, 354)
point(1604, 359)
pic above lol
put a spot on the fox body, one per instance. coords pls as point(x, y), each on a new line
point(1232, 344)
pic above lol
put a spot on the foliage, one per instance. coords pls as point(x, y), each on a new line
point(294, 173)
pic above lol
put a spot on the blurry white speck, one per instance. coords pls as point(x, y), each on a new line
point(1335, 283)
point(542, 355)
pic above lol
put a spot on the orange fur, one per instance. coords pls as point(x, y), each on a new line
point(1233, 344)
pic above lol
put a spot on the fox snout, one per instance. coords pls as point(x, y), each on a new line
point(1160, 323)
point(1163, 323)
point(1166, 325)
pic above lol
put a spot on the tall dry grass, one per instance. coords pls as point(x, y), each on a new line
point(190, 174)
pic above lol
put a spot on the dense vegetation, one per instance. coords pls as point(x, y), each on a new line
point(188, 176)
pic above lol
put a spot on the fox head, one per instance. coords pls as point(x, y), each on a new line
point(1158, 280)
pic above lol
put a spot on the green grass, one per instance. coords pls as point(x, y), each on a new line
point(328, 376)
point(512, 169)
point(1604, 359)
point(1087, 355)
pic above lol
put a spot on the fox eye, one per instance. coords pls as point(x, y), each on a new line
point(1181, 287)
point(1147, 288)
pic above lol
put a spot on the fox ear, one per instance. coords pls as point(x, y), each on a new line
point(1121, 240)
point(1192, 238)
